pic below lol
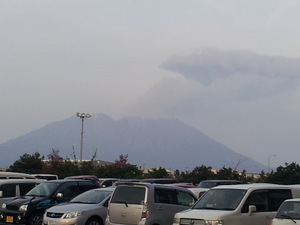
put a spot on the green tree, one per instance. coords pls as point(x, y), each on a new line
point(198, 174)
point(68, 168)
point(158, 173)
point(120, 169)
point(87, 167)
point(227, 174)
point(288, 174)
point(28, 164)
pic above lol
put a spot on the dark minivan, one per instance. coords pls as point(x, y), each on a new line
point(29, 209)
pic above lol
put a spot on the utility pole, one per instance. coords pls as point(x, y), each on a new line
point(269, 157)
point(82, 116)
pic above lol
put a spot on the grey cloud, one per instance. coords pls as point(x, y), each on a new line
point(208, 65)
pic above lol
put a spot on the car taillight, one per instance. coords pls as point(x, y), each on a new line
point(144, 214)
point(145, 211)
point(270, 223)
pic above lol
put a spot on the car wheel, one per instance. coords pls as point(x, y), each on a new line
point(36, 219)
point(94, 221)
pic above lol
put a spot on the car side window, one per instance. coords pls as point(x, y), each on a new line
point(85, 186)
point(24, 188)
point(105, 204)
point(8, 190)
point(258, 198)
point(276, 197)
point(185, 198)
point(166, 196)
point(69, 190)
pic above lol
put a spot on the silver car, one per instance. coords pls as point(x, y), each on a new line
point(88, 208)
point(147, 204)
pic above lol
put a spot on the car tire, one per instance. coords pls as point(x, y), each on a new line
point(36, 219)
point(94, 221)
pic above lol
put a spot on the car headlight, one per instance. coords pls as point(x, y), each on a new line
point(73, 214)
point(213, 222)
point(3, 206)
point(176, 220)
point(23, 208)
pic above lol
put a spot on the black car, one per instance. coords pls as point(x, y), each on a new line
point(29, 209)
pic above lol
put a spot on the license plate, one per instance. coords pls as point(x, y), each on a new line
point(9, 219)
point(51, 222)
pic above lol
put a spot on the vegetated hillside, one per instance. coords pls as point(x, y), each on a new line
point(166, 143)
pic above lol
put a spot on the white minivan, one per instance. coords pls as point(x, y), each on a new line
point(241, 204)
point(288, 213)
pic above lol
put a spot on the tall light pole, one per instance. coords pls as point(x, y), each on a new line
point(82, 116)
point(269, 157)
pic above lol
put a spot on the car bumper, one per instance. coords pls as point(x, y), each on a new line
point(60, 221)
point(13, 218)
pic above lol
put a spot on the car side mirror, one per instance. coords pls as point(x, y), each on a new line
point(252, 209)
point(59, 195)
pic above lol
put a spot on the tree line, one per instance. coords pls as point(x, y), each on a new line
point(122, 169)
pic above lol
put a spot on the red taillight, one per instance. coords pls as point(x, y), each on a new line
point(270, 223)
point(145, 211)
point(144, 214)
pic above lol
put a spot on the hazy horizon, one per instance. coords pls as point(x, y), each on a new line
point(228, 68)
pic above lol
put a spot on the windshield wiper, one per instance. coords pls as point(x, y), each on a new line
point(211, 208)
point(287, 216)
point(225, 209)
point(80, 202)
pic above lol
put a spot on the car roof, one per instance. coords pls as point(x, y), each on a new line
point(252, 186)
point(160, 180)
point(83, 177)
point(11, 175)
point(68, 180)
point(101, 179)
point(104, 189)
point(10, 181)
point(292, 200)
point(221, 181)
point(151, 185)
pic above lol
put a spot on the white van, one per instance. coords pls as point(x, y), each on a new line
point(12, 188)
point(288, 213)
point(241, 204)
point(15, 175)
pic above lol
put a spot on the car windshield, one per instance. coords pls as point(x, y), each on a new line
point(44, 189)
point(289, 210)
point(91, 197)
point(220, 199)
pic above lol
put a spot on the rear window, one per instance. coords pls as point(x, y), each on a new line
point(129, 194)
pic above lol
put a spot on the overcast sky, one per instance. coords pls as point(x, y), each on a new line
point(229, 68)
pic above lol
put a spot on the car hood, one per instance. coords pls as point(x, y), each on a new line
point(203, 214)
point(25, 200)
point(68, 207)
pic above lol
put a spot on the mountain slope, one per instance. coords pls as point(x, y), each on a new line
point(164, 143)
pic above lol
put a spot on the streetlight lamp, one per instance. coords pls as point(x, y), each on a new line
point(269, 162)
point(82, 116)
